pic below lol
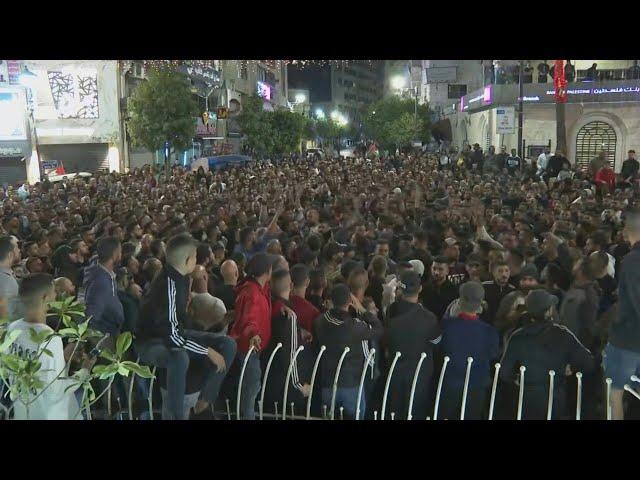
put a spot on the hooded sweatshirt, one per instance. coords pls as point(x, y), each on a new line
point(252, 314)
point(101, 298)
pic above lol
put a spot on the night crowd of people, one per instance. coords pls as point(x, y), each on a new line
point(457, 255)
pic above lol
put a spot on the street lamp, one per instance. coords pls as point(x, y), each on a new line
point(398, 82)
point(27, 79)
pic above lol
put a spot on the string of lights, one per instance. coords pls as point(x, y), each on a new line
point(306, 63)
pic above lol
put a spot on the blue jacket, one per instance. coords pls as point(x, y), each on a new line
point(463, 338)
point(101, 298)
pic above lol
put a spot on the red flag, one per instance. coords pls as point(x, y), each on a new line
point(560, 82)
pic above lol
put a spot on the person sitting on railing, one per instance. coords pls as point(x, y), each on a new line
point(162, 339)
point(337, 329)
point(541, 345)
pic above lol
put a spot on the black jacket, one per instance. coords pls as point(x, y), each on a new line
point(336, 330)
point(164, 310)
point(411, 330)
point(437, 298)
point(540, 347)
point(625, 329)
point(493, 295)
point(630, 168)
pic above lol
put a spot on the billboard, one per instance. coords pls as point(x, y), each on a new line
point(12, 116)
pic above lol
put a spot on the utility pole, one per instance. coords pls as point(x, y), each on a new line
point(520, 112)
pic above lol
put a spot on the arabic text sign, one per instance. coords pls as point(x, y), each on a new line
point(441, 74)
point(505, 120)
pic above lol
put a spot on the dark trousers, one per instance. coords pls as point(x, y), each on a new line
point(451, 402)
point(176, 362)
point(251, 385)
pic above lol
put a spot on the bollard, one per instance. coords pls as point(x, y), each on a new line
point(313, 379)
point(631, 391)
point(466, 387)
point(552, 374)
point(266, 376)
point(393, 415)
point(341, 413)
point(372, 352)
point(244, 366)
point(292, 364)
point(521, 392)
point(579, 395)
point(444, 368)
point(324, 412)
point(413, 384)
point(150, 397)
point(335, 382)
point(292, 404)
point(608, 381)
point(493, 390)
point(375, 415)
point(388, 383)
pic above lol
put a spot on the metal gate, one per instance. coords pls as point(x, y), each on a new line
point(593, 138)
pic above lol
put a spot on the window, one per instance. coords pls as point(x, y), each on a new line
point(456, 91)
point(593, 138)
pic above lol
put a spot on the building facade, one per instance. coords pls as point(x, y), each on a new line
point(602, 111)
point(72, 115)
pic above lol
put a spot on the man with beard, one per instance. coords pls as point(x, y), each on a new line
point(439, 291)
point(495, 290)
point(69, 261)
point(101, 295)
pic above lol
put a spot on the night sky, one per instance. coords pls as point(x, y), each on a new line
point(316, 79)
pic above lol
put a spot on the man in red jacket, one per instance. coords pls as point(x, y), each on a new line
point(252, 328)
point(605, 177)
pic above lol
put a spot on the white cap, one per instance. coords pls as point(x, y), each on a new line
point(397, 190)
point(418, 266)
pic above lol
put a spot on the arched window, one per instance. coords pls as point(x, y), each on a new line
point(593, 138)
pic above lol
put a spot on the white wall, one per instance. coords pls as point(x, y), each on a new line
point(53, 130)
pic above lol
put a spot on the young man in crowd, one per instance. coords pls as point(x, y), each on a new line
point(411, 330)
point(337, 329)
point(252, 328)
point(57, 401)
point(495, 290)
point(541, 345)
point(164, 342)
point(463, 336)
point(439, 291)
point(9, 256)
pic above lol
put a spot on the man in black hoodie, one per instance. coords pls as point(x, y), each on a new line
point(337, 329)
point(540, 346)
point(411, 330)
point(163, 341)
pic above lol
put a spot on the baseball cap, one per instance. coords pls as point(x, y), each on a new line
point(530, 270)
point(410, 282)
point(539, 301)
point(471, 297)
point(473, 259)
point(417, 266)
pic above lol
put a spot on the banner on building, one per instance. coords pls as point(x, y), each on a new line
point(14, 68)
point(505, 120)
point(442, 74)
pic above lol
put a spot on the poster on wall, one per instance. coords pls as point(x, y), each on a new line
point(505, 120)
